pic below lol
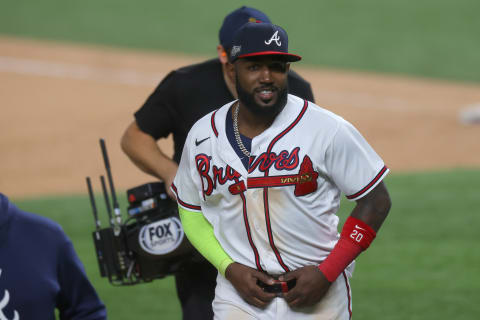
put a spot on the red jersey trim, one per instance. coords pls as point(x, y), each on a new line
point(212, 121)
point(183, 203)
point(290, 127)
point(368, 186)
point(265, 190)
point(249, 234)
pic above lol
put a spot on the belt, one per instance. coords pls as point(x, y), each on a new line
point(278, 287)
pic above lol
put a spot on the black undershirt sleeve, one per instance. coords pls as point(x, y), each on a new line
point(157, 117)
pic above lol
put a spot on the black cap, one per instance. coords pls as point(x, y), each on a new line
point(235, 20)
point(259, 39)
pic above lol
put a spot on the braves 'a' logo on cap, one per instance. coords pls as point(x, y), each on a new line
point(275, 38)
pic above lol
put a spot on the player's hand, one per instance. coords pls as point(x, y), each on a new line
point(310, 288)
point(244, 279)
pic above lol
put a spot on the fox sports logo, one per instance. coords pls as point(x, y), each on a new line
point(161, 237)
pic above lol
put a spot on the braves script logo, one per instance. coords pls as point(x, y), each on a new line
point(282, 161)
point(220, 175)
point(3, 303)
point(305, 181)
point(275, 38)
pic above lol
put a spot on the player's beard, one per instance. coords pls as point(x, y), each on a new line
point(248, 101)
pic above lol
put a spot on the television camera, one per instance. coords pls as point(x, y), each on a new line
point(149, 244)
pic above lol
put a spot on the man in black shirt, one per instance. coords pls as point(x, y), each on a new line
point(181, 98)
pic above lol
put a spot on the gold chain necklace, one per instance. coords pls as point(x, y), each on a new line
point(237, 133)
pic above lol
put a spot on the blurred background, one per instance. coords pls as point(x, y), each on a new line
point(72, 72)
point(429, 38)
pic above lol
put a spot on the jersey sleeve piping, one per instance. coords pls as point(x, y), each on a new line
point(183, 204)
point(214, 128)
point(378, 178)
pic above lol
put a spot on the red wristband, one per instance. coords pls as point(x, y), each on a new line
point(356, 236)
point(358, 232)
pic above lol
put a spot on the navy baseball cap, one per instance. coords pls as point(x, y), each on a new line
point(235, 20)
point(260, 39)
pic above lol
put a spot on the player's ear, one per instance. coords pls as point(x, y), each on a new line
point(230, 71)
point(222, 54)
point(230, 68)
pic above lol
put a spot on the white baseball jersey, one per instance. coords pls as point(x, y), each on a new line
point(279, 215)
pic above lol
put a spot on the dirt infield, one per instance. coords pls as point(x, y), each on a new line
point(57, 100)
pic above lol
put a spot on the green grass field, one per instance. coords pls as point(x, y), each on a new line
point(431, 38)
point(423, 264)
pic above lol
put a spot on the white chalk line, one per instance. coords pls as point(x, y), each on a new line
point(77, 71)
point(35, 67)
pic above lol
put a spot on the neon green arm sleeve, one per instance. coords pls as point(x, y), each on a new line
point(200, 234)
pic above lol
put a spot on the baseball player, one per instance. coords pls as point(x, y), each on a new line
point(259, 185)
point(183, 97)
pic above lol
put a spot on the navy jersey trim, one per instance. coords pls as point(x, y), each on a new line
point(230, 133)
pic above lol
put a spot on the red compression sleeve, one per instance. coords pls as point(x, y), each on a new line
point(356, 236)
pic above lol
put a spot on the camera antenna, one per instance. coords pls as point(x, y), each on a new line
point(92, 202)
point(107, 201)
point(116, 207)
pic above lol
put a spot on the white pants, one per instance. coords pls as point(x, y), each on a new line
point(335, 305)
